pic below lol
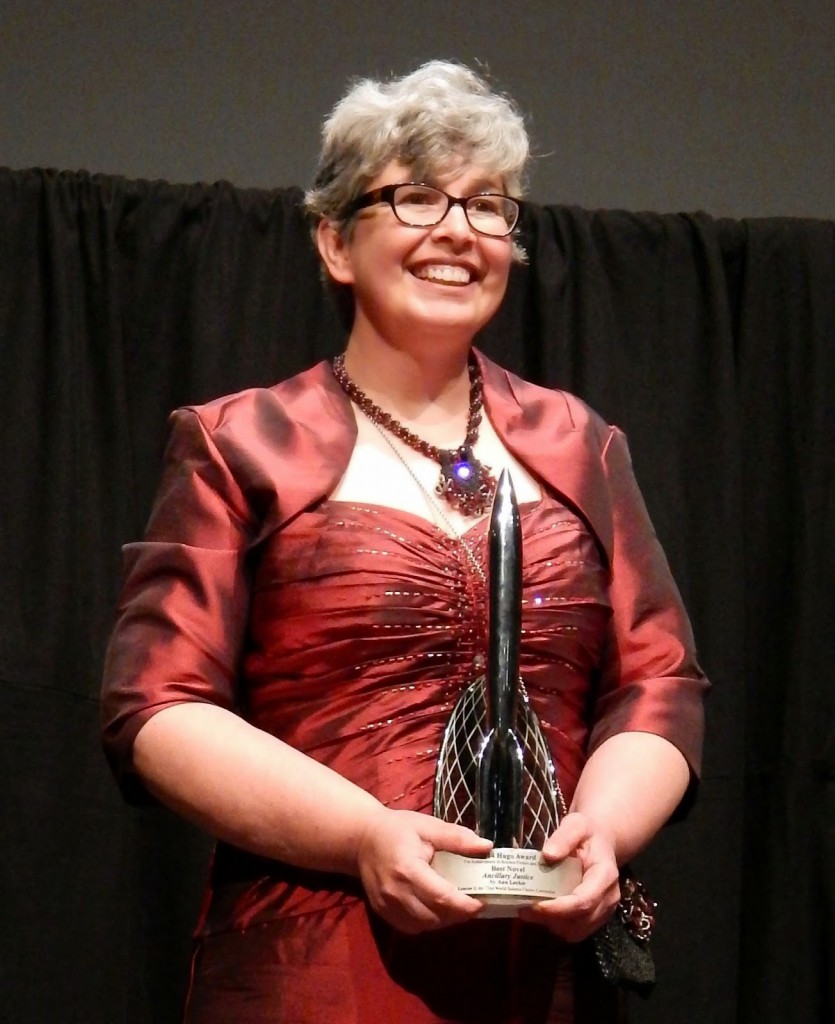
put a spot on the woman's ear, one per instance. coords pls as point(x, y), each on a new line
point(334, 251)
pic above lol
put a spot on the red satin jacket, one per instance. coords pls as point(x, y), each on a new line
point(244, 466)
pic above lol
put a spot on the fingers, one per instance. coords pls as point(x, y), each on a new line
point(425, 901)
point(579, 914)
point(394, 865)
point(573, 917)
point(442, 835)
point(573, 832)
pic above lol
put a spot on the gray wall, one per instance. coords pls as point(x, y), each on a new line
point(722, 106)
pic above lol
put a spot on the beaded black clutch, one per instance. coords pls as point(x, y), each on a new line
point(622, 947)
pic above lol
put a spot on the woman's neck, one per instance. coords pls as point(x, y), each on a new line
point(426, 388)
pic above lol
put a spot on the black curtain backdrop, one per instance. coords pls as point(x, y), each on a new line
point(711, 342)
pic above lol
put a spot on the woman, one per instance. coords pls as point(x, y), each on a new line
point(309, 602)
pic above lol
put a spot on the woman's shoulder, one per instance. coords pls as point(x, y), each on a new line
point(551, 408)
point(282, 447)
point(279, 403)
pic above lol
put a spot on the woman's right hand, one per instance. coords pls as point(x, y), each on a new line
point(393, 857)
point(256, 792)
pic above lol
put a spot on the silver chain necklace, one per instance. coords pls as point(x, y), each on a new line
point(434, 505)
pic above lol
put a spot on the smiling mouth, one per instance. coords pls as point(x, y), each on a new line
point(445, 274)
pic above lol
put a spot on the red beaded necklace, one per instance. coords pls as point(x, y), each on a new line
point(467, 484)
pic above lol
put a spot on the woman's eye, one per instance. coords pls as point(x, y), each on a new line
point(418, 197)
point(490, 205)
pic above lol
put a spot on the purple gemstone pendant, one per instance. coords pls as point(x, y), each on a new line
point(465, 482)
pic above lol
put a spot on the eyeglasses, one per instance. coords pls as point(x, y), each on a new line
point(421, 206)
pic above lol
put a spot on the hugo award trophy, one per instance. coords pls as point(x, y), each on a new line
point(495, 773)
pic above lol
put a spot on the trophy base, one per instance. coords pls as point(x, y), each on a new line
point(508, 879)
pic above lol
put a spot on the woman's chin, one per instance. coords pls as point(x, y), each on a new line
point(459, 310)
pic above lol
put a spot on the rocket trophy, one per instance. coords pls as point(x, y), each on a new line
point(495, 773)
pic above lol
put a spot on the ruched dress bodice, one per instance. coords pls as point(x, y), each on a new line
point(366, 623)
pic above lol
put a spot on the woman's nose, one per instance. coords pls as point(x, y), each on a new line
point(455, 223)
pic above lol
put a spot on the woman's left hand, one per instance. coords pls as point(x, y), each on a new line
point(579, 914)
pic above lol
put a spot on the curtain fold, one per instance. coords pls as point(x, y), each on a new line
point(711, 342)
point(786, 344)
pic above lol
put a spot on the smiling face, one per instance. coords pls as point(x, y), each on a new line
point(444, 281)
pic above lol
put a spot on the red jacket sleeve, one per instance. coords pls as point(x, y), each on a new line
point(182, 612)
point(650, 679)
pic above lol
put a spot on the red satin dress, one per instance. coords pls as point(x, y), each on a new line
point(349, 632)
point(365, 625)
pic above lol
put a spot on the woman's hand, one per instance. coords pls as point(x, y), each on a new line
point(629, 787)
point(393, 856)
point(579, 914)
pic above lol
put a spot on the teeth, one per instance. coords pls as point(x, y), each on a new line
point(458, 275)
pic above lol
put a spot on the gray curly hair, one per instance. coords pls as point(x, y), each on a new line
point(439, 115)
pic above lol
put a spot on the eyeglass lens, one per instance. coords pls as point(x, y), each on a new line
point(422, 206)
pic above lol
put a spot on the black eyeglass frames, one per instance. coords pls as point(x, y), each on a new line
point(422, 206)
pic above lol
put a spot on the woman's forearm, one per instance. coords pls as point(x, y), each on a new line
point(629, 788)
point(251, 789)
